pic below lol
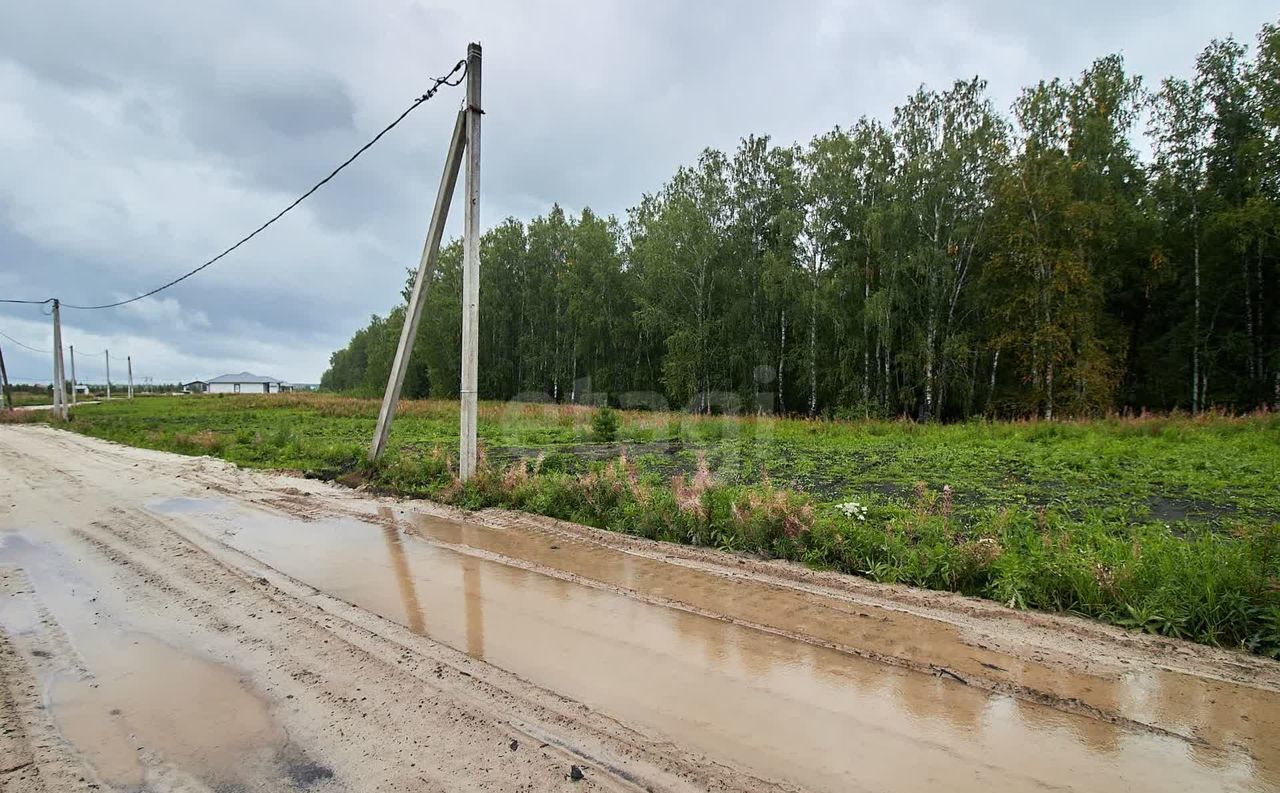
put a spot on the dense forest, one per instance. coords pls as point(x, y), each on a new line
point(1106, 244)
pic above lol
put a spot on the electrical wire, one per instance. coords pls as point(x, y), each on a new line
point(25, 346)
point(453, 78)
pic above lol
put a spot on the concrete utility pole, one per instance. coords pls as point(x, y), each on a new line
point(107, 353)
point(59, 373)
point(470, 271)
point(128, 359)
point(73, 373)
point(465, 141)
point(4, 380)
point(418, 298)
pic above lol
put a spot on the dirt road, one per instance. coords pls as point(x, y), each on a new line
point(178, 624)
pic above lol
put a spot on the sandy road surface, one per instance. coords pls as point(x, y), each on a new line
point(177, 624)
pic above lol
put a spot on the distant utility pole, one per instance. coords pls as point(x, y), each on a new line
point(59, 373)
point(107, 353)
point(128, 359)
point(73, 374)
point(4, 379)
point(470, 272)
point(465, 140)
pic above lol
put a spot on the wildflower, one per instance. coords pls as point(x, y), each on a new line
point(516, 476)
point(853, 509)
point(702, 476)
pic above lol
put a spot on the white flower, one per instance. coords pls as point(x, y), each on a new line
point(853, 509)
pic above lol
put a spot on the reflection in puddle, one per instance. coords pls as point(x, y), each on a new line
point(474, 604)
point(404, 579)
point(782, 708)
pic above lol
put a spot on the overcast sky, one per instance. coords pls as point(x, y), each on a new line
point(137, 139)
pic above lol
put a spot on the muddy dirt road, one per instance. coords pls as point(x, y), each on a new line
point(177, 624)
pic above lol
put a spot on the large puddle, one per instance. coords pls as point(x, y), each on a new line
point(144, 712)
point(785, 709)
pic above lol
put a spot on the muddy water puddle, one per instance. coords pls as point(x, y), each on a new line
point(146, 711)
point(180, 504)
point(1211, 713)
point(784, 709)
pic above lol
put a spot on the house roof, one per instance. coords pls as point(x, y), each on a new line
point(243, 377)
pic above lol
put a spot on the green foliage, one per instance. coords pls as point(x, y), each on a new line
point(604, 425)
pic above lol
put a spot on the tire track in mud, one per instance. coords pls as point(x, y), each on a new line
point(34, 758)
point(993, 684)
point(176, 567)
point(442, 712)
point(1055, 645)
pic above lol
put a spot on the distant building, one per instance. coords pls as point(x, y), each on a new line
point(246, 383)
point(195, 387)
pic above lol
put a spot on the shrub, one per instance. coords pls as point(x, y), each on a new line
point(604, 425)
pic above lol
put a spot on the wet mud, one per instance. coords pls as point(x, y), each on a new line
point(792, 686)
point(143, 710)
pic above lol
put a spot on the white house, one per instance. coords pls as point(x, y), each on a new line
point(246, 383)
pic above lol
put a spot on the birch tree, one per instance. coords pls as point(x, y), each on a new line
point(1180, 134)
point(948, 146)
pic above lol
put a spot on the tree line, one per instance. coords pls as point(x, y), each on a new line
point(954, 261)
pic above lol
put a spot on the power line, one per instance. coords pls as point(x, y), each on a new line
point(28, 302)
point(25, 346)
point(449, 80)
point(45, 352)
point(439, 81)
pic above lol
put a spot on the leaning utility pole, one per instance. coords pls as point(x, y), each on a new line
point(73, 374)
point(418, 298)
point(107, 353)
point(4, 380)
point(59, 374)
point(470, 271)
point(465, 140)
point(128, 359)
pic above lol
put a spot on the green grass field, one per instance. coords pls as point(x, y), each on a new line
point(22, 398)
point(1164, 524)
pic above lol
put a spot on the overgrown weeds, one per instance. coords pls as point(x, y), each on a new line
point(1206, 586)
point(25, 416)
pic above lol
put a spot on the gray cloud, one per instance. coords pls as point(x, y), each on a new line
point(140, 138)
